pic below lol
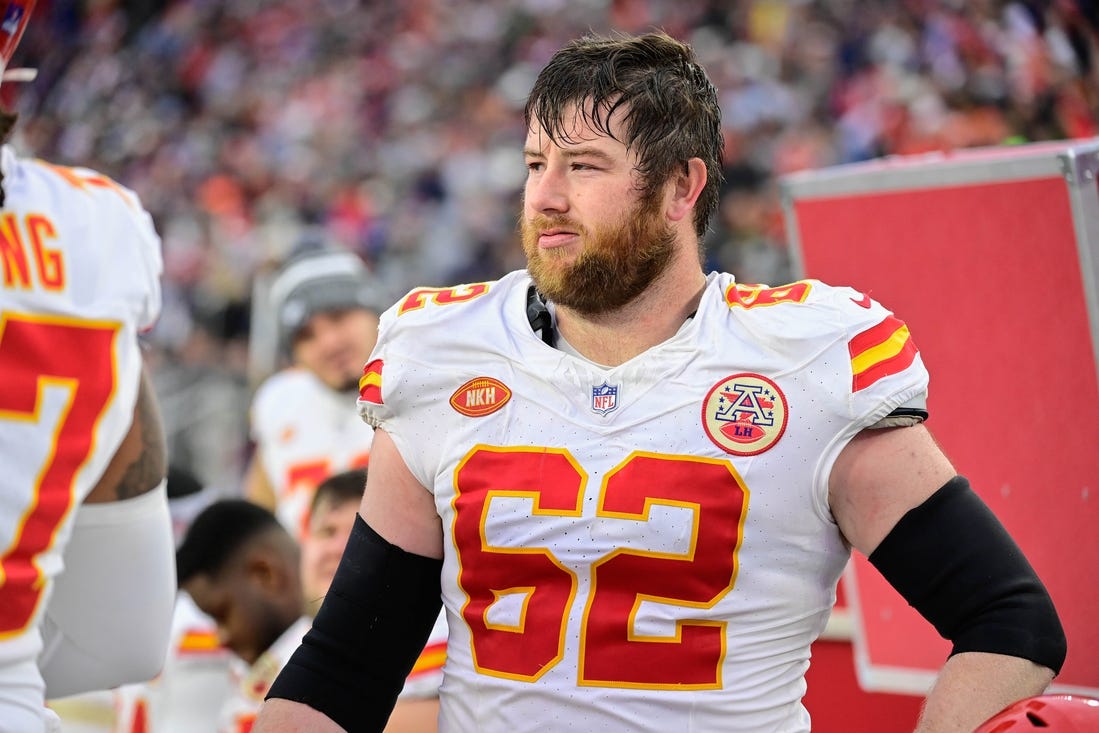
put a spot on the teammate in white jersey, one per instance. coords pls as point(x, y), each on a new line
point(85, 537)
point(241, 568)
point(636, 498)
point(304, 422)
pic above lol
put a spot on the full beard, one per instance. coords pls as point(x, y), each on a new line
point(617, 263)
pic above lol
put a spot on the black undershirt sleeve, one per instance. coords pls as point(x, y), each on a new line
point(956, 564)
point(371, 628)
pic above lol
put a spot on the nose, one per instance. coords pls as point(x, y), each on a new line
point(547, 191)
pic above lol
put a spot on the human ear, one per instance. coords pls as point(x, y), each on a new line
point(265, 572)
point(686, 187)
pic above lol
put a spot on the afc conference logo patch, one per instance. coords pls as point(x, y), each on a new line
point(480, 396)
point(744, 414)
point(604, 398)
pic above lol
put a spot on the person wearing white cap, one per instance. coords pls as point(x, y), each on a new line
point(304, 420)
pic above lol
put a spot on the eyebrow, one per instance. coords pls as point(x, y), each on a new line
point(580, 152)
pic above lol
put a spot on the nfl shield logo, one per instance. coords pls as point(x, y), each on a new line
point(604, 398)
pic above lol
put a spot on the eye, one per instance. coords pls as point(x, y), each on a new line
point(534, 166)
point(587, 165)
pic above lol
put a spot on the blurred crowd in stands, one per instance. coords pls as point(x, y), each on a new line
point(394, 129)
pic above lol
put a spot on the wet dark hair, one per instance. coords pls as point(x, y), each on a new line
point(672, 112)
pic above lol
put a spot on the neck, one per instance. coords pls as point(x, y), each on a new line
point(650, 319)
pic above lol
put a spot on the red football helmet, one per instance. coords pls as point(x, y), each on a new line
point(1057, 713)
point(17, 13)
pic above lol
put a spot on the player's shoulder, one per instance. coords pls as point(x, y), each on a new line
point(433, 333)
point(432, 303)
point(82, 198)
point(842, 330)
point(808, 308)
point(72, 183)
point(107, 259)
point(436, 312)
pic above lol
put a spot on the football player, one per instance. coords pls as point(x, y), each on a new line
point(241, 568)
point(635, 484)
point(85, 535)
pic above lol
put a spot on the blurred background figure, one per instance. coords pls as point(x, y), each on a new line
point(335, 505)
point(244, 570)
point(304, 420)
point(241, 567)
point(331, 516)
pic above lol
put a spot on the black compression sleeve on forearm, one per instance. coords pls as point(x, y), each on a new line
point(372, 626)
point(954, 562)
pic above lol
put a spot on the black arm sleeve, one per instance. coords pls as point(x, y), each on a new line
point(954, 562)
point(372, 626)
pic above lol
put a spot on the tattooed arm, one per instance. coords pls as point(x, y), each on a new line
point(140, 463)
point(108, 620)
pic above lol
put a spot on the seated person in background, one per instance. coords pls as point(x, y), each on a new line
point(332, 515)
point(241, 567)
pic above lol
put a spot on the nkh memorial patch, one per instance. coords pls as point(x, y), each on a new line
point(744, 414)
point(480, 396)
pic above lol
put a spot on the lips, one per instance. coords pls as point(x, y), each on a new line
point(556, 237)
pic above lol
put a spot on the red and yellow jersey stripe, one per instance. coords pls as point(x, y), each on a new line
point(879, 352)
point(370, 383)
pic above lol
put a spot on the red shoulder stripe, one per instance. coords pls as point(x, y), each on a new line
point(880, 351)
point(370, 384)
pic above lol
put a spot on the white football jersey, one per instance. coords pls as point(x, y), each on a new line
point(305, 432)
point(647, 547)
point(249, 685)
point(80, 268)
